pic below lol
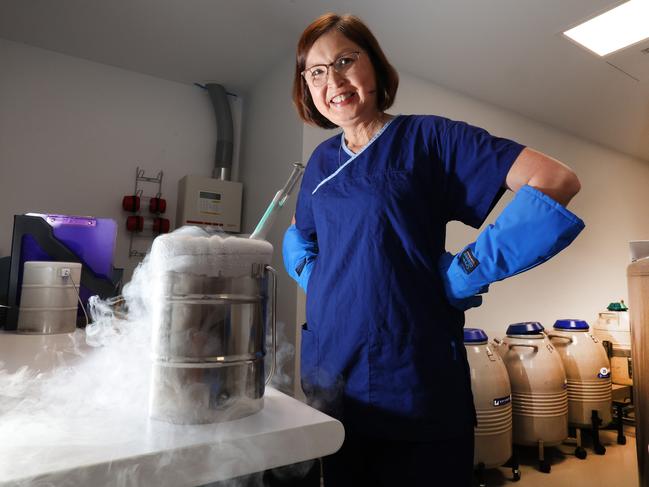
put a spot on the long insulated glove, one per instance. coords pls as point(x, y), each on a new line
point(299, 256)
point(529, 231)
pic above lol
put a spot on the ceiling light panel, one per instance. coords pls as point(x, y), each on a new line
point(615, 29)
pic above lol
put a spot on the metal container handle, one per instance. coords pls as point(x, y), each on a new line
point(535, 347)
point(554, 335)
point(273, 319)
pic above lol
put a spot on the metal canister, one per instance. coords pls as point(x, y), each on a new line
point(587, 372)
point(209, 345)
point(539, 387)
point(492, 401)
point(49, 297)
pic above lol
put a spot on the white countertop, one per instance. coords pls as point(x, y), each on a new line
point(126, 450)
point(74, 415)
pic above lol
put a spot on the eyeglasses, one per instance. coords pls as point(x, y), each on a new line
point(318, 74)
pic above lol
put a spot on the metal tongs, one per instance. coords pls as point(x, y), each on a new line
point(280, 198)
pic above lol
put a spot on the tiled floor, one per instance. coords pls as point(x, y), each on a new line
point(617, 468)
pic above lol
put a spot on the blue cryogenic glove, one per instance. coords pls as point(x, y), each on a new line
point(529, 231)
point(299, 256)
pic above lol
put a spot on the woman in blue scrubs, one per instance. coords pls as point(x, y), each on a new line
point(382, 348)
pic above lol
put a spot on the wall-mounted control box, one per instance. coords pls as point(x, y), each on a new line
point(209, 202)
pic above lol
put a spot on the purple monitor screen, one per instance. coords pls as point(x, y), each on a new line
point(91, 239)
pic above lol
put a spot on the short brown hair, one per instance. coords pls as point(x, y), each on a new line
point(387, 79)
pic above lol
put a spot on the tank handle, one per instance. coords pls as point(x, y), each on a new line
point(529, 345)
point(554, 335)
point(273, 323)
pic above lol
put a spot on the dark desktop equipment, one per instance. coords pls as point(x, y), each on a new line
point(60, 238)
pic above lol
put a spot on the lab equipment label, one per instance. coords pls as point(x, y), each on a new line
point(604, 373)
point(502, 400)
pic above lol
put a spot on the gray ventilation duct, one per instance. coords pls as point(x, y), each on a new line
point(224, 130)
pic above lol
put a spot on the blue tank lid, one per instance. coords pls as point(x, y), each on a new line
point(474, 335)
point(571, 325)
point(525, 328)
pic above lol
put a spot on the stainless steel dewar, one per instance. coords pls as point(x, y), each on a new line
point(209, 345)
point(204, 318)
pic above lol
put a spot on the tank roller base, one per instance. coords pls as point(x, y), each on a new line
point(577, 431)
point(512, 463)
point(515, 466)
point(540, 451)
point(596, 423)
point(579, 451)
point(544, 465)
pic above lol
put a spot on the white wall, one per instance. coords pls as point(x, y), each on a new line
point(583, 279)
point(72, 133)
point(271, 142)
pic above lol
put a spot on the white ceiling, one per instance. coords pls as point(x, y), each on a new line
point(507, 52)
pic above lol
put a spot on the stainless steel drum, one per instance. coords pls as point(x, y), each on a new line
point(49, 297)
point(587, 371)
point(492, 401)
point(209, 345)
point(538, 382)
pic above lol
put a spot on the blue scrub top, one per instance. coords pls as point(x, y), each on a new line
point(382, 348)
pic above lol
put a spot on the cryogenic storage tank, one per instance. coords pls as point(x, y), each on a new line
point(587, 372)
point(613, 326)
point(589, 379)
point(538, 382)
point(211, 301)
point(492, 400)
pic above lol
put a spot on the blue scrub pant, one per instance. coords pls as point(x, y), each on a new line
point(370, 462)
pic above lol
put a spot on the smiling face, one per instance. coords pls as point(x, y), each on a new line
point(346, 100)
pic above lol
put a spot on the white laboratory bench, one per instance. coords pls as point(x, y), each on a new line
point(144, 452)
point(74, 443)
